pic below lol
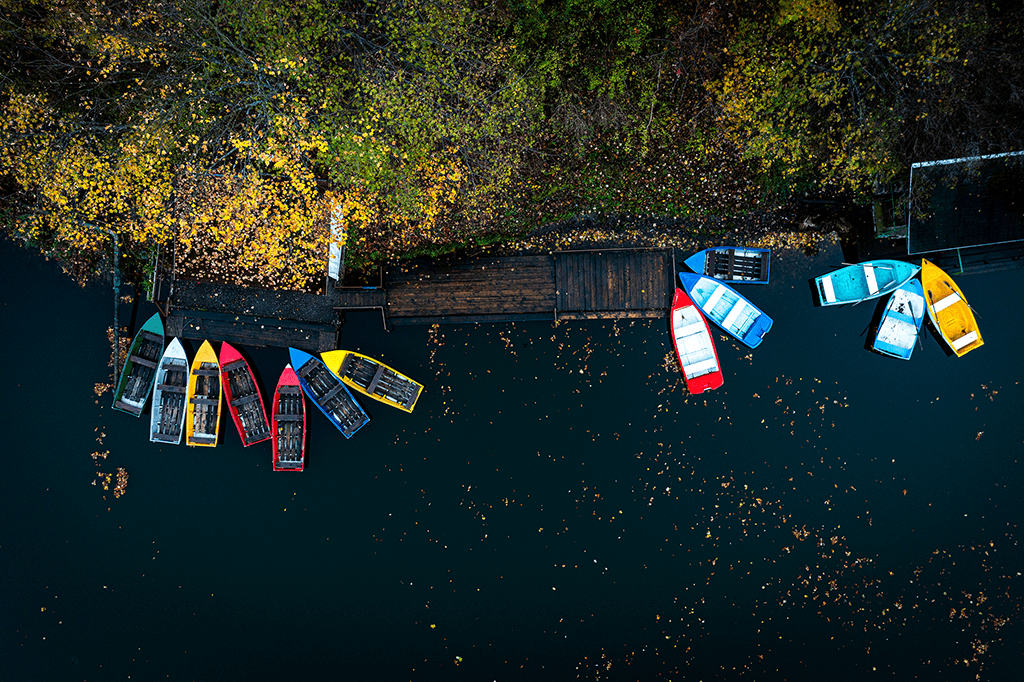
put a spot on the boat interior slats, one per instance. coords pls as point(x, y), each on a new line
point(150, 336)
point(361, 371)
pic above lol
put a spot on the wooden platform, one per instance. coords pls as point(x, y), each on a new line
point(251, 331)
point(617, 283)
point(566, 285)
point(489, 289)
point(360, 298)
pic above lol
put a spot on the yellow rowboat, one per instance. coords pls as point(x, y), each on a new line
point(948, 310)
point(373, 378)
point(202, 420)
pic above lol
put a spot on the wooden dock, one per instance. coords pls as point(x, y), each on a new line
point(246, 330)
point(565, 285)
point(490, 289)
point(611, 284)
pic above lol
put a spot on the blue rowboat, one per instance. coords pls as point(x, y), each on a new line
point(901, 321)
point(724, 306)
point(860, 282)
point(737, 264)
point(328, 393)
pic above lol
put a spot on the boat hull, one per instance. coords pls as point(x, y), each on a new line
point(727, 308)
point(695, 347)
point(167, 416)
point(374, 379)
point(901, 322)
point(202, 419)
point(863, 281)
point(736, 264)
point(328, 393)
point(243, 397)
point(949, 311)
point(135, 384)
point(288, 423)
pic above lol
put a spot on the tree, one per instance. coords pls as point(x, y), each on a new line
point(824, 90)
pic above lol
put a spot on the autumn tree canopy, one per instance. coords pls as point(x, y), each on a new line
point(234, 126)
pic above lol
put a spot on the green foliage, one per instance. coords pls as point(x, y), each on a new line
point(234, 127)
point(816, 89)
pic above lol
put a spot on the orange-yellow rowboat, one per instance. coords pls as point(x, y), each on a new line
point(202, 420)
point(948, 310)
point(374, 379)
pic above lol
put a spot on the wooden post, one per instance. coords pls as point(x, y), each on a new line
point(117, 300)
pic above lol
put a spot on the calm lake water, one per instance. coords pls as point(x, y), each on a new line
point(556, 507)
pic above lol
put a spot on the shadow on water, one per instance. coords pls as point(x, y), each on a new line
point(555, 505)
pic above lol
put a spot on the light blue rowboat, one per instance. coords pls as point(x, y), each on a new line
point(901, 321)
point(727, 308)
point(860, 282)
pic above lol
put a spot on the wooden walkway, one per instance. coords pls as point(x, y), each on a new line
point(565, 285)
point(491, 289)
point(247, 330)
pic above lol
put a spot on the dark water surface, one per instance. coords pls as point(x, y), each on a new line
point(555, 507)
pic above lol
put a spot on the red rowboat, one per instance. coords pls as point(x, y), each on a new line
point(694, 345)
point(289, 417)
point(243, 397)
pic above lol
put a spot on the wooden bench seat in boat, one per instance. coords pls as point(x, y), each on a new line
point(253, 397)
point(128, 407)
point(869, 277)
point(165, 437)
point(142, 361)
point(338, 388)
point(200, 372)
point(171, 388)
point(702, 366)
point(234, 365)
point(376, 379)
point(288, 418)
point(945, 302)
point(968, 338)
point(715, 297)
point(199, 400)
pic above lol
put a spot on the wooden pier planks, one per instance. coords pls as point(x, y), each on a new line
point(471, 290)
point(617, 283)
point(251, 331)
point(596, 284)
